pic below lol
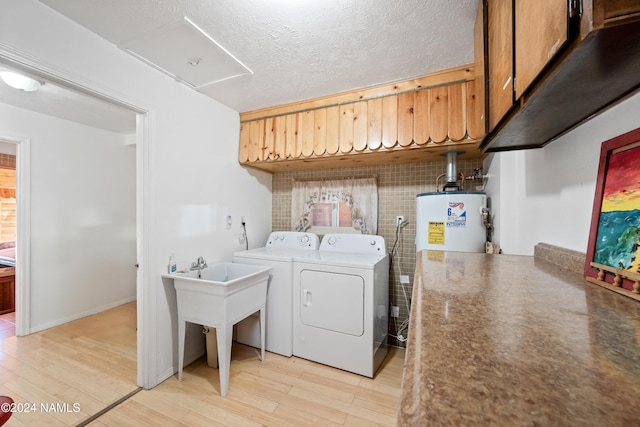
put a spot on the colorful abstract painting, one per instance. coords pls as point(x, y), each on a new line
point(618, 237)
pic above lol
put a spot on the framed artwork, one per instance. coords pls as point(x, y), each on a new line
point(613, 252)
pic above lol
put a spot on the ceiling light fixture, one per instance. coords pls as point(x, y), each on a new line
point(18, 81)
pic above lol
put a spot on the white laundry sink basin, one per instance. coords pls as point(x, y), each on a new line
point(224, 294)
point(223, 278)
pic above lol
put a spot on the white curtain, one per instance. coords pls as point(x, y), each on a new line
point(359, 194)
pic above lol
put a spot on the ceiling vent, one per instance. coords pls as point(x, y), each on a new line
point(186, 53)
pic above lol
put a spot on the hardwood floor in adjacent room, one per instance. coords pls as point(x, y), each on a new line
point(7, 325)
point(92, 362)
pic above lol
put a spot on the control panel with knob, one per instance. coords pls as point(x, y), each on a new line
point(354, 243)
point(293, 239)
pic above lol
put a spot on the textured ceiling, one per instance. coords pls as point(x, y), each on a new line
point(300, 49)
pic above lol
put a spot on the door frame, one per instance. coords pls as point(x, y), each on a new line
point(23, 232)
point(145, 130)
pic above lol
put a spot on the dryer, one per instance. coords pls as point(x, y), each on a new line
point(341, 298)
point(278, 253)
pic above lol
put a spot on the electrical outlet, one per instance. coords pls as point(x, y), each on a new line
point(395, 311)
point(399, 219)
point(404, 279)
point(229, 222)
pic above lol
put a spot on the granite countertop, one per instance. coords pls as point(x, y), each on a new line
point(509, 340)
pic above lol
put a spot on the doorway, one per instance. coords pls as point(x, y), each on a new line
point(7, 238)
point(30, 204)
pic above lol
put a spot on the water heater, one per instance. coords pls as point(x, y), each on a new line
point(451, 221)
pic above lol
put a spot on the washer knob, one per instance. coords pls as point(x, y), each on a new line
point(332, 241)
point(305, 239)
point(373, 243)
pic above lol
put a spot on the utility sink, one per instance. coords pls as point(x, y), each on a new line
point(220, 296)
point(223, 278)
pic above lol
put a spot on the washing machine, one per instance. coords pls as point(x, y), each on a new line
point(278, 253)
point(341, 299)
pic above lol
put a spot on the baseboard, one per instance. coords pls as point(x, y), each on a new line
point(86, 313)
point(169, 372)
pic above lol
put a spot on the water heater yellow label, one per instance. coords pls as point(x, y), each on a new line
point(436, 233)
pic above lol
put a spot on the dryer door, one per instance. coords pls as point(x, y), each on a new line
point(332, 301)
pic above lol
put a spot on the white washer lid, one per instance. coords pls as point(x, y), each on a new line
point(275, 254)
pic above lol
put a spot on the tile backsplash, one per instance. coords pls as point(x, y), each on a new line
point(398, 186)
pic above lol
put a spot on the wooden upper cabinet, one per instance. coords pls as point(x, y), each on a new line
point(500, 58)
point(541, 30)
point(523, 36)
point(412, 123)
point(571, 60)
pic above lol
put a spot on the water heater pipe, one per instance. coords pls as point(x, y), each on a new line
point(461, 179)
point(485, 218)
point(452, 172)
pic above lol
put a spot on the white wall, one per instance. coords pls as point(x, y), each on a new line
point(546, 195)
point(192, 178)
point(83, 217)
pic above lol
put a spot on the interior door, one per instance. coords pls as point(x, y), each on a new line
point(332, 301)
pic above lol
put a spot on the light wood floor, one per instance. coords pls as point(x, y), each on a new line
point(91, 361)
point(279, 391)
point(7, 325)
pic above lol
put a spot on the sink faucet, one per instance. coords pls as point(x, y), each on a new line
point(199, 264)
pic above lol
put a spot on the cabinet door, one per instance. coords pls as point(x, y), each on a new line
point(7, 294)
point(477, 125)
point(541, 30)
point(500, 58)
